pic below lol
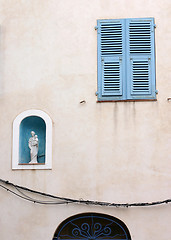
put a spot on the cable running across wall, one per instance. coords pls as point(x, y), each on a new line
point(20, 191)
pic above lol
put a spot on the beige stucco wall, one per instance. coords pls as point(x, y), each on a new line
point(116, 152)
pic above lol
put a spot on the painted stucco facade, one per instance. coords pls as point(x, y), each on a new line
point(112, 151)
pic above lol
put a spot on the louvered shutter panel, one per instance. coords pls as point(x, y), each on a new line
point(111, 56)
point(111, 76)
point(140, 59)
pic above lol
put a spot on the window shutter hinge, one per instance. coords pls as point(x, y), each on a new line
point(96, 27)
point(96, 93)
point(154, 26)
point(156, 91)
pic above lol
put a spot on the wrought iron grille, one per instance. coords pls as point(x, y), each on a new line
point(92, 226)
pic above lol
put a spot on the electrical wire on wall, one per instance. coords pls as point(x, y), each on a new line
point(23, 192)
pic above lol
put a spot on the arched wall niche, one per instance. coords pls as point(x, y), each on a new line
point(92, 226)
point(26, 122)
point(38, 125)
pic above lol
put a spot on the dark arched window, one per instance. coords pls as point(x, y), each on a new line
point(92, 226)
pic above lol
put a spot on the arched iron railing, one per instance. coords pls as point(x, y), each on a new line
point(92, 226)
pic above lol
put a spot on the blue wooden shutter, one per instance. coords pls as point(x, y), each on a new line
point(111, 55)
point(140, 59)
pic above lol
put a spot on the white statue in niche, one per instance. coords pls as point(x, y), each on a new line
point(33, 145)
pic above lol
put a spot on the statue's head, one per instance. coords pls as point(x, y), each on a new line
point(32, 133)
